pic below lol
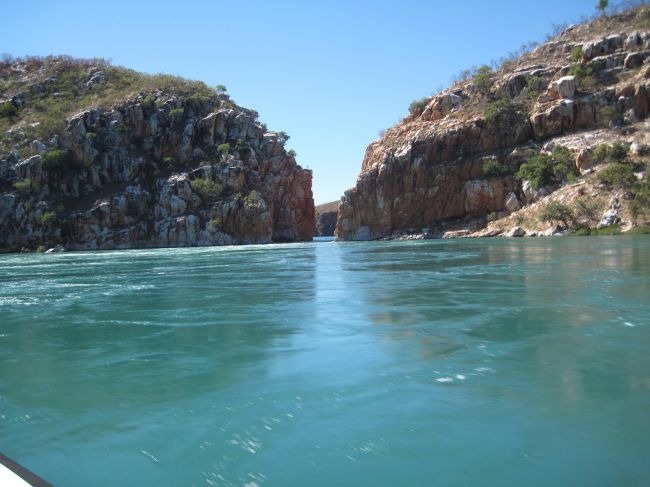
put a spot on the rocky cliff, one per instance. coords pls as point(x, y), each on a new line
point(326, 219)
point(469, 154)
point(98, 157)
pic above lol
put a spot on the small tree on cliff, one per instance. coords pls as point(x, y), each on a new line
point(602, 5)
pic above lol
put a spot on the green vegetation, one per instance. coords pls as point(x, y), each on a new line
point(546, 170)
point(253, 196)
point(495, 169)
point(417, 106)
point(24, 185)
point(283, 137)
point(214, 224)
point(57, 161)
point(169, 163)
point(223, 149)
point(576, 54)
point(176, 116)
point(483, 79)
point(587, 209)
point(48, 218)
point(617, 152)
point(640, 230)
point(643, 18)
point(583, 73)
point(618, 175)
point(640, 203)
point(206, 188)
point(148, 101)
point(220, 89)
point(585, 232)
point(292, 153)
point(44, 114)
point(7, 110)
point(601, 6)
point(555, 211)
point(197, 100)
point(503, 107)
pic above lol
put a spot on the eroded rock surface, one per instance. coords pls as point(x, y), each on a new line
point(155, 171)
point(429, 169)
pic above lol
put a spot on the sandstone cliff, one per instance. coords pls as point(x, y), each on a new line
point(326, 219)
point(144, 162)
point(455, 163)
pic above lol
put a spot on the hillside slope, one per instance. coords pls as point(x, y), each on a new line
point(486, 147)
point(100, 157)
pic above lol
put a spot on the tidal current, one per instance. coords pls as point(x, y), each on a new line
point(502, 362)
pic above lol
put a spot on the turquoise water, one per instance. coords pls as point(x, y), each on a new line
point(473, 362)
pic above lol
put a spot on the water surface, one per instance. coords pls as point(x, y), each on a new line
point(472, 362)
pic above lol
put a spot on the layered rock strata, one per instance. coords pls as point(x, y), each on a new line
point(156, 170)
point(430, 168)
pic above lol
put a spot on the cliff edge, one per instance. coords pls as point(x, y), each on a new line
point(568, 111)
point(101, 157)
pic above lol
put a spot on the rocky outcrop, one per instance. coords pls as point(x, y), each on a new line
point(156, 170)
point(431, 168)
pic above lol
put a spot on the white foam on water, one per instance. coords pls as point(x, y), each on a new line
point(150, 455)
point(444, 380)
point(627, 323)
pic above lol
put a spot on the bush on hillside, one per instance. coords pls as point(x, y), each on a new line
point(417, 106)
point(483, 80)
point(546, 170)
point(555, 212)
point(618, 175)
point(495, 169)
point(617, 152)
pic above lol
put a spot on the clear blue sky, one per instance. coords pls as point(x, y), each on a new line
point(330, 74)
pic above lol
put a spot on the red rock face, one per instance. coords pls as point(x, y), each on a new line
point(428, 180)
point(428, 168)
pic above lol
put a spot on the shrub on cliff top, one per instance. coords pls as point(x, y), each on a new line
point(483, 79)
point(176, 116)
point(418, 105)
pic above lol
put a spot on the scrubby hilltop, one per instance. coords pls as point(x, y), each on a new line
point(551, 140)
point(100, 157)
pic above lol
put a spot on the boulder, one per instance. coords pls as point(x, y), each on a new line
point(566, 86)
point(609, 218)
point(584, 160)
point(515, 232)
point(512, 203)
point(633, 60)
